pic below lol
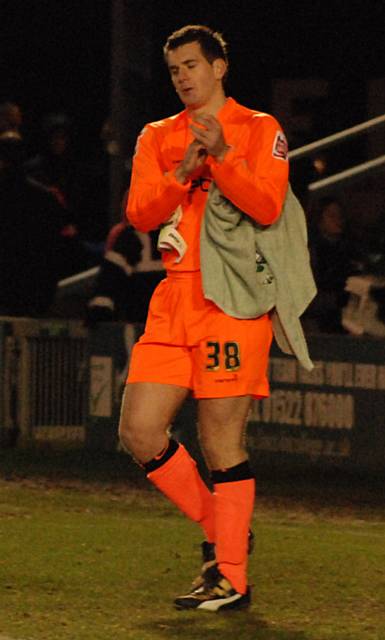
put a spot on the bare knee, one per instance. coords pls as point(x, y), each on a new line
point(140, 437)
point(128, 435)
point(146, 414)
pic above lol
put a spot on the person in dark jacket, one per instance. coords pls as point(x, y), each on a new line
point(31, 220)
point(121, 293)
point(333, 259)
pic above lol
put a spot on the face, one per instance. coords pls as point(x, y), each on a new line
point(197, 81)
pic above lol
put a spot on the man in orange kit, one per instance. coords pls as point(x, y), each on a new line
point(190, 345)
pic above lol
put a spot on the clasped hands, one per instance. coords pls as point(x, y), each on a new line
point(208, 140)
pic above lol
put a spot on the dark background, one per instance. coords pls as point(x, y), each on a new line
point(56, 55)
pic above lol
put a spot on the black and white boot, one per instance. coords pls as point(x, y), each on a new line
point(216, 594)
point(209, 560)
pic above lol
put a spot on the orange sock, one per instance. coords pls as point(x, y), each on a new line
point(178, 479)
point(234, 502)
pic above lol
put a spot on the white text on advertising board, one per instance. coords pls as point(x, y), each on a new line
point(349, 375)
point(307, 409)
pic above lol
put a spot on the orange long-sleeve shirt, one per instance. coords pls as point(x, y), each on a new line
point(253, 175)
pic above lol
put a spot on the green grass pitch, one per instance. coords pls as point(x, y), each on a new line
point(103, 561)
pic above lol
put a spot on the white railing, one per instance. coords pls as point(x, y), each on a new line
point(76, 282)
point(370, 166)
point(359, 169)
point(335, 138)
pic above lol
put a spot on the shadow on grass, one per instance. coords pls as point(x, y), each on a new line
point(232, 625)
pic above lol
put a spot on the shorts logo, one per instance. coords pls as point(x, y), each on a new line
point(280, 146)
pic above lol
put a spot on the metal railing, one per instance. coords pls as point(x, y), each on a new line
point(56, 377)
point(45, 385)
point(371, 166)
point(368, 167)
point(335, 138)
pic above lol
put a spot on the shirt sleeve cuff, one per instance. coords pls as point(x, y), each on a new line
point(228, 160)
point(223, 170)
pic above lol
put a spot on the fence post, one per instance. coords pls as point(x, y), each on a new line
point(110, 344)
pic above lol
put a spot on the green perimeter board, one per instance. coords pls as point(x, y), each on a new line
point(334, 414)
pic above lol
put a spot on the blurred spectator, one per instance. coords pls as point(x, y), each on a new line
point(108, 139)
point(333, 257)
point(122, 254)
point(29, 236)
point(81, 187)
point(372, 240)
point(364, 312)
point(377, 294)
point(54, 166)
point(121, 293)
point(11, 119)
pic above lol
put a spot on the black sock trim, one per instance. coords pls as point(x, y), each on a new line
point(241, 471)
point(156, 463)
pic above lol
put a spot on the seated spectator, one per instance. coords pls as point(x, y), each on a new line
point(121, 293)
point(29, 236)
point(333, 259)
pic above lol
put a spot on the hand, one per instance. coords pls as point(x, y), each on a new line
point(208, 131)
point(194, 157)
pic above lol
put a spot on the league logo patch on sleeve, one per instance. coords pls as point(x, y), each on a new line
point(280, 146)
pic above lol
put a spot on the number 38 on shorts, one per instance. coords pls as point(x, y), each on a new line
point(223, 356)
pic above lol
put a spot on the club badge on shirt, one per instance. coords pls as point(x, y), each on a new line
point(280, 146)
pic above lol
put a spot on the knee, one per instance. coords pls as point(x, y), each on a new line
point(142, 440)
point(131, 435)
point(126, 434)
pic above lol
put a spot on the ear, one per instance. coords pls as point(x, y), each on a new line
point(220, 68)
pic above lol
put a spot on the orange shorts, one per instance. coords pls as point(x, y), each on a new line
point(188, 341)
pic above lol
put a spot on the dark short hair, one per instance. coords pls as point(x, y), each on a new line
point(211, 42)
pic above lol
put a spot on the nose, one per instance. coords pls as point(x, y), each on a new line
point(183, 75)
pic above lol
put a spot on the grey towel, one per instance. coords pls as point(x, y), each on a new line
point(249, 269)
